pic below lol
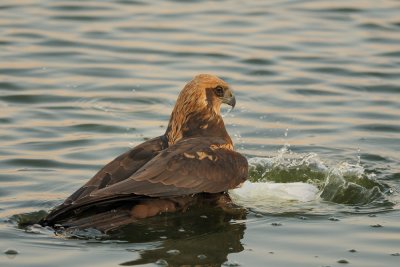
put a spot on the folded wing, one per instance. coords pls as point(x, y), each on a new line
point(191, 166)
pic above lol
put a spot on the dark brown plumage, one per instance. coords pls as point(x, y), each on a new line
point(195, 156)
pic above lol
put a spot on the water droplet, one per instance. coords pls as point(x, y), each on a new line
point(230, 263)
point(173, 252)
point(162, 262)
point(286, 132)
point(201, 257)
point(11, 251)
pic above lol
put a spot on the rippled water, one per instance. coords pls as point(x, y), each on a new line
point(318, 92)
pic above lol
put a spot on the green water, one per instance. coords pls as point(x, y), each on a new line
point(317, 85)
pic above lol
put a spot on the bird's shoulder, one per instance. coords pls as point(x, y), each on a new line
point(121, 168)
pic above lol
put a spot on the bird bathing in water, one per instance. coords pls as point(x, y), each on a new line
point(194, 160)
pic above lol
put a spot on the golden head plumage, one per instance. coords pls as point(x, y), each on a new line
point(197, 109)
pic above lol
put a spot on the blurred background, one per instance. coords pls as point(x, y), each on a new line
point(317, 85)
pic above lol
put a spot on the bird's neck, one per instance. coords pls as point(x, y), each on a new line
point(204, 123)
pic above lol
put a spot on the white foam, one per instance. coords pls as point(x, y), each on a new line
point(264, 195)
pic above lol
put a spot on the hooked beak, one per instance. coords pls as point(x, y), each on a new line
point(231, 101)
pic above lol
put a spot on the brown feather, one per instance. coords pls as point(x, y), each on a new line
point(194, 156)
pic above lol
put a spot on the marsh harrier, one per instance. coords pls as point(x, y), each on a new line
point(195, 157)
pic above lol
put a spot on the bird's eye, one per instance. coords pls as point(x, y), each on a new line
point(219, 91)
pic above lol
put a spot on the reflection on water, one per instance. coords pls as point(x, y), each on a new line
point(82, 81)
point(196, 237)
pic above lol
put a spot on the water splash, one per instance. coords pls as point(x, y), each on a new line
point(287, 167)
point(274, 197)
point(350, 184)
point(291, 182)
point(225, 111)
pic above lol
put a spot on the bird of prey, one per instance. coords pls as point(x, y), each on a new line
point(193, 159)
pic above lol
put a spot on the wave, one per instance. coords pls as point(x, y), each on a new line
point(303, 183)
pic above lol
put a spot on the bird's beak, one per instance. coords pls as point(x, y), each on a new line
point(231, 101)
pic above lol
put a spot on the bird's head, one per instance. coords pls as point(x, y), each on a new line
point(207, 91)
point(197, 109)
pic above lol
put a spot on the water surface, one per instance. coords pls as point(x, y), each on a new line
point(318, 98)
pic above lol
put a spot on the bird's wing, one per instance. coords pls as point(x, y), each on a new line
point(190, 166)
point(117, 170)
